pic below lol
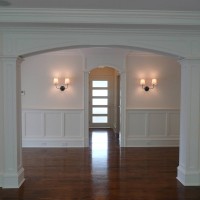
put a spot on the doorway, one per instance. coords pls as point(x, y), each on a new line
point(104, 98)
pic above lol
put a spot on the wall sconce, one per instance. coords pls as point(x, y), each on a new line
point(62, 87)
point(147, 88)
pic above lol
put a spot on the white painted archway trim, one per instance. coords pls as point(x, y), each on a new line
point(98, 16)
point(21, 42)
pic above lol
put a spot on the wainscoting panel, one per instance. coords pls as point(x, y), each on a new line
point(53, 124)
point(156, 124)
point(136, 124)
point(73, 124)
point(152, 127)
point(52, 128)
point(34, 124)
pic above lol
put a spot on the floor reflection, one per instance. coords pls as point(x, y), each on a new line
point(99, 148)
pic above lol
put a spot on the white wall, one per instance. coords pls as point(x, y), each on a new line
point(37, 81)
point(52, 118)
point(167, 92)
point(153, 117)
point(43, 104)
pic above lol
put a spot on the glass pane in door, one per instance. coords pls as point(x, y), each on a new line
point(100, 93)
point(101, 110)
point(99, 101)
point(99, 119)
point(99, 84)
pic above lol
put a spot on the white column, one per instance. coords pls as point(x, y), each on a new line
point(86, 108)
point(189, 155)
point(1, 124)
point(122, 134)
point(13, 172)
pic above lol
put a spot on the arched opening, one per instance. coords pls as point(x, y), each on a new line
point(50, 117)
point(104, 100)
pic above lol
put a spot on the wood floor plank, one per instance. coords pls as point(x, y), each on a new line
point(101, 172)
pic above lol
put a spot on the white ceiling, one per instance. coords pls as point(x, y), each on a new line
point(169, 5)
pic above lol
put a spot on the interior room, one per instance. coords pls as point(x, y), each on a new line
point(52, 118)
point(99, 100)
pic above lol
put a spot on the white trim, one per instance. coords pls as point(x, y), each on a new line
point(153, 109)
point(1, 180)
point(52, 142)
point(13, 180)
point(140, 132)
point(98, 16)
point(152, 142)
point(191, 178)
point(68, 52)
point(24, 28)
point(67, 134)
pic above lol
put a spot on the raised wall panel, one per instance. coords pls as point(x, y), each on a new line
point(136, 124)
point(173, 124)
point(157, 124)
point(34, 124)
point(53, 124)
point(67, 124)
point(152, 127)
point(73, 123)
point(52, 128)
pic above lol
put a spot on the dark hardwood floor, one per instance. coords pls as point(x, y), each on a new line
point(101, 172)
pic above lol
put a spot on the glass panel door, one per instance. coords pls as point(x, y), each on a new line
point(99, 102)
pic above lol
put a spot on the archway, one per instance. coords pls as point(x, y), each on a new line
point(7, 96)
point(104, 98)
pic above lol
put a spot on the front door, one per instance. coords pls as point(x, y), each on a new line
point(101, 98)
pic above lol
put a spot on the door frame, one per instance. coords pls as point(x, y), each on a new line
point(122, 111)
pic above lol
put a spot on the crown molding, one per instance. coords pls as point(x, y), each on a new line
point(98, 16)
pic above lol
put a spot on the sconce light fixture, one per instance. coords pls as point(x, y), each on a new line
point(147, 88)
point(63, 86)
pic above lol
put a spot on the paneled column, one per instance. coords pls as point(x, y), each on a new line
point(122, 133)
point(86, 108)
point(189, 158)
point(13, 172)
point(1, 123)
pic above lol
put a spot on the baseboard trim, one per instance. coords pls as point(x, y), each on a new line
point(61, 143)
point(146, 142)
point(191, 178)
point(13, 180)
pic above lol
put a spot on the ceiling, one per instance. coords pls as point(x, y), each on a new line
point(170, 5)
